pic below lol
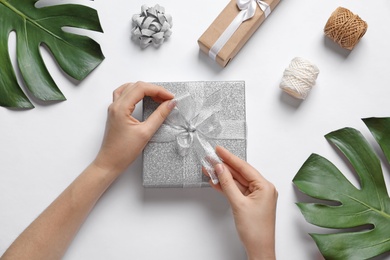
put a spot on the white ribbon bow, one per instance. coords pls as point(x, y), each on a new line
point(248, 9)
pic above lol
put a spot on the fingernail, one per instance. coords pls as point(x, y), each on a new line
point(172, 104)
point(219, 168)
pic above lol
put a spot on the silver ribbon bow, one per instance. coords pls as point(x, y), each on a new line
point(152, 25)
point(194, 124)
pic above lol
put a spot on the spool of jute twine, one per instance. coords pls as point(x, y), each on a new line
point(345, 28)
point(299, 78)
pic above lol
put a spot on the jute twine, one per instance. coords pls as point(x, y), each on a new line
point(345, 28)
point(299, 78)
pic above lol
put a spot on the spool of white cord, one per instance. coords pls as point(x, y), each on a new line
point(299, 78)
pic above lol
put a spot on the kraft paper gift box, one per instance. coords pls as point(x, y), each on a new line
point(226, 22)
point(214, 112)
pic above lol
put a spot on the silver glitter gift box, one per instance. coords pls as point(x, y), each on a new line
point(218, 108)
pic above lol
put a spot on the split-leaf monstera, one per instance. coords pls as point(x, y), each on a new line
point(77, 55)
point(367, 208)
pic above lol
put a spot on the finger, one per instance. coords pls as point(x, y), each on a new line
point(228, 186)
point(139, 90)
point(158, 100)
point(244, 190)
point(239, 165)
point(215, 186)
point(205, 172)
point(242, 187)
point(155, 120)
point(238, 176)
point(118, 92)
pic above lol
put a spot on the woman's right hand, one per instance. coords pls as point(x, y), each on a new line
point(125, 137)
point(253, 201)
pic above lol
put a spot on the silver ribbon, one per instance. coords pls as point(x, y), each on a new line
point(194, 124)
point(248, 9)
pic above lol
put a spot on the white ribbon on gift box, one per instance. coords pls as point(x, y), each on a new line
point(248, 9)
point(194, 124)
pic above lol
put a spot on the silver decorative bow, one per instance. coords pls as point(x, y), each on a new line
point(194, 124)
point(152, 25)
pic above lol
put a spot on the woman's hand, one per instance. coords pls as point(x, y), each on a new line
point(253, 201)
point(48, 236)
point(125, 137)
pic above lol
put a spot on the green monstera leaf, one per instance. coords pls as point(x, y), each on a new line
point(363, 212)
point(77, 55)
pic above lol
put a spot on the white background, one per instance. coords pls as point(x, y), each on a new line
point(42, 150)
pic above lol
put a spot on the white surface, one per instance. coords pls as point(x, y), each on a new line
point(44, 149)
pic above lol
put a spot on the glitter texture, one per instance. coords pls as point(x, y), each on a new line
point(162, 165)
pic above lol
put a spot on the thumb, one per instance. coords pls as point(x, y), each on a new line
point(227, 183)
point(155, 120)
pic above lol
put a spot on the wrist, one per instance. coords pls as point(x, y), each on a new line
point(264, 254)
point(262, 257)
point(105, 167)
